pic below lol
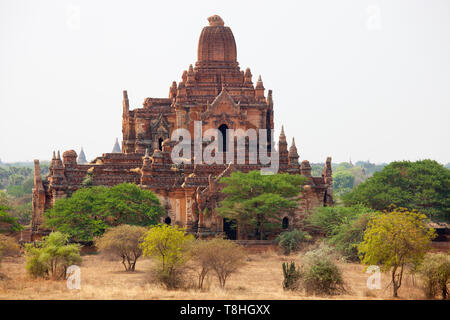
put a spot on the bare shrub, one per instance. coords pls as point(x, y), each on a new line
point(435, 272)
point(221, 256)
point(123, 241)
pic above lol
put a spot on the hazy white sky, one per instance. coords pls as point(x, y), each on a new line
point(365, 79)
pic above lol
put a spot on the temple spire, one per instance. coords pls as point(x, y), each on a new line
point(82, 157)
point(125, 102)
point(116, 148)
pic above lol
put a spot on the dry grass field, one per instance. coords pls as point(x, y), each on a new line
point(261, 278)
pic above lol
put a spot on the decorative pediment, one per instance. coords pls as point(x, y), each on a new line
point(223, 106)
point(160, 125)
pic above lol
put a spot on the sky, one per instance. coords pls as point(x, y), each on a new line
point(351, 79)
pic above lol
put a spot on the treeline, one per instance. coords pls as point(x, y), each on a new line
point(347, 175)
point(16, 185)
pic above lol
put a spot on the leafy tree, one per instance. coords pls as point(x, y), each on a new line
point(123, 241)
point(421, 185)
point(329, 219)
point(292, 240)
point(395, 239)
point(349, 235)
point(257, 201)
point(90, 211)
point(22, 212)
point(51, 256)
point(7, 222)
point(435, 271)
point(169, 246)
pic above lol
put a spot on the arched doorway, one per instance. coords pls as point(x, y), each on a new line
point(230, 228)
point(285, 223)
point(223, 147)
point(168, 220)
point(160, 141)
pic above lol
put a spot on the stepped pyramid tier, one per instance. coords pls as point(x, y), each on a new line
point(214, 93)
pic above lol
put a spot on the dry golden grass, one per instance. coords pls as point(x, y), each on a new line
point(261, 278)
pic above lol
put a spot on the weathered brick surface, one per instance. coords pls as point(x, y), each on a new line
point(215, 91)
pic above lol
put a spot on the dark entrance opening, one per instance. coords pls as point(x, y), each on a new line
point(223, 138)
point(167, 220)
point(160, 141)
point(285, 223)
point(325, 198)
point(230, 228)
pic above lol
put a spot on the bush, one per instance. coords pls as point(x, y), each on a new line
point(329, 219)
point(8, 247)
point(52, 256)
point(223, 257)
point(291, 241)
point(435, 272)
point(123, 241)
point(169, 246)
point(349, 236)
point(320, 275)
point(291, 276)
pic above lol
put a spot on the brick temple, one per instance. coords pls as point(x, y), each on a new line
point(214, 91)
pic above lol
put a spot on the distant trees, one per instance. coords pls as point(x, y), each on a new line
point(123, 241)
point(51, 256)
point(343, 182)
point(421, 185)
point(257, 201)
point(90, 211)
point(7, 222)
point(395, 239)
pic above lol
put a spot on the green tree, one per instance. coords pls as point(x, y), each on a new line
point(349, 235)
point(90, 211)
point(169, 246)
point(328, 220)
point(395, 239)
point(257, 201)
point(51, 256)
point(421, 185)
point(7, 222)
point(123, 241)
point(343, 182)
